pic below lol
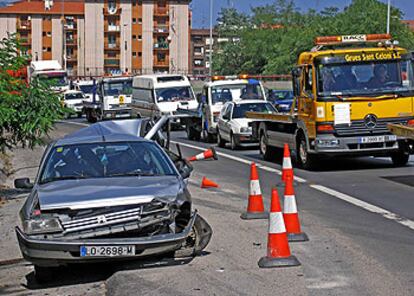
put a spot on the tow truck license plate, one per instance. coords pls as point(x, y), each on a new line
point(107, 251)
point(377, 139)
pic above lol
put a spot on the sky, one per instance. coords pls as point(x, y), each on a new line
point(201, 8)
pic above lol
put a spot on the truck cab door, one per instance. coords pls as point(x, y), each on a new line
point(306, 98)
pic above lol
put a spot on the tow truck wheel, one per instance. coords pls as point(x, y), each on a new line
point(401, 157)
point(220, 142)
point(265, 150)
point(305, 160)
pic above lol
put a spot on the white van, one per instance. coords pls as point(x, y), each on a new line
point(157, 95)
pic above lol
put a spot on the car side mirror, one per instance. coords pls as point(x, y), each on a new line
point(184, 168)
point(23, 183)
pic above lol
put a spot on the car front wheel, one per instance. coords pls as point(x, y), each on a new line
point(220, 142)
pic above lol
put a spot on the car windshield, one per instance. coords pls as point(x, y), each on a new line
point(174, 94)
point(86, 89)
point(239, 110)
point(231, 92)
point(369, 79)
point(74, 96)
point(57, 79)
point(105, 160)
point(116, 88)
point(281, 95)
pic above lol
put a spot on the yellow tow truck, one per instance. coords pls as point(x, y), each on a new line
point(347, 90)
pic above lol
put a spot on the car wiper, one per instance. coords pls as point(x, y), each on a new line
point(138, 174)
point(48, 180)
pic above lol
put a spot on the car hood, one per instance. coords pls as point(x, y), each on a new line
point(243, 122)
point(95, 193)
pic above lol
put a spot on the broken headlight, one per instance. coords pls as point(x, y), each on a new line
point(42, 225)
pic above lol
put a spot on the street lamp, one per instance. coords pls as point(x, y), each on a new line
point(211, 40)
point(388, 16)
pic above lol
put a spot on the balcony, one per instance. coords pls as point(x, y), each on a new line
point(112, 46)
point(113, 12)
point(162, 12)
point(111, 63)
point(70, 42)
point(24, 25)
point(161, 64)
point(161, 29)
point(24, 41)
point(161, 46)
point(113, 28)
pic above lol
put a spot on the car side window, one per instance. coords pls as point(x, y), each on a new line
point(141, 94)
point(227, 112)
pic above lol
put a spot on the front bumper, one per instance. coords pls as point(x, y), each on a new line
point(245, 140)
point(47, 252)
point(332, 145)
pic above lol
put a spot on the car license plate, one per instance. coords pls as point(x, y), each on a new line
point(377, 139)
point(107, 251)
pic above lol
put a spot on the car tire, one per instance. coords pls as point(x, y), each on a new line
point(197, 240)
point(266, 151)
point(43, 274)
point(305, 160)
point(233, 142)
point(220, 142)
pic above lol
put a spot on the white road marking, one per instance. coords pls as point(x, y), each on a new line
point(241, 160)
point(362, 204)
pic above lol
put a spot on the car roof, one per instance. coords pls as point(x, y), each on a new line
point(241, 102)
point(106, 131)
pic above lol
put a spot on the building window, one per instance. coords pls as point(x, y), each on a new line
point(49, 49)
point(140, 21)
point(134, 54)
point(161, 57)
point(49, 34)
point(134, 20)
point(140, 54)
point(139, 37)
point(134, 3)
point(134, 37)
point(44, 49)
point(44, 34)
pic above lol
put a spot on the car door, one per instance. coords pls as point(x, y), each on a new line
point(221, 120)
point(226, 126)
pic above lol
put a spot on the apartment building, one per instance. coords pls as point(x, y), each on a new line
point(200, 50)
point(97, 37)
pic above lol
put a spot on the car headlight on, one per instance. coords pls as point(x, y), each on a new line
point(42, 225)
point(245, 129)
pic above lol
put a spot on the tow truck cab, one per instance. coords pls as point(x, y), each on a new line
point(346, 92)
point(215, 93)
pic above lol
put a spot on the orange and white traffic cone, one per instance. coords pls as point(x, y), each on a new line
point(206, 183)
point(208, 154)
point(278, 251)
point(291, 216)
point(287, 169)
point(255, 208)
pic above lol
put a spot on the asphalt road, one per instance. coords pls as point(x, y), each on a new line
point(359, 224)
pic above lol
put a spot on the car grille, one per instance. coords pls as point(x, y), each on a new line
point(113, 218)
point(358, 127)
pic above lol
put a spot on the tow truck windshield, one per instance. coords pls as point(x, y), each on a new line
point(174, 94)
point(117, 88)
point(231, 92)
point(104, 160)
point(366, 79)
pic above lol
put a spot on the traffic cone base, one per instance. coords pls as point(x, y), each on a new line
point(206, 183)
point(251, 216)
point(269, 262)
point(297, 237)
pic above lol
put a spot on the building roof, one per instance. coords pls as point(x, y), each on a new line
point(409, 23)
point(202, 32)
point(38, 7)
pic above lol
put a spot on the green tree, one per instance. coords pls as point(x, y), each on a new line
point(279, 32)
point(27, 110)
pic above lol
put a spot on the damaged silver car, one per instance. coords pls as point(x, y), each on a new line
point(108, 192)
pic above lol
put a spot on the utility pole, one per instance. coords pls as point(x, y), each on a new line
point(211, 40)
point(388, 16)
